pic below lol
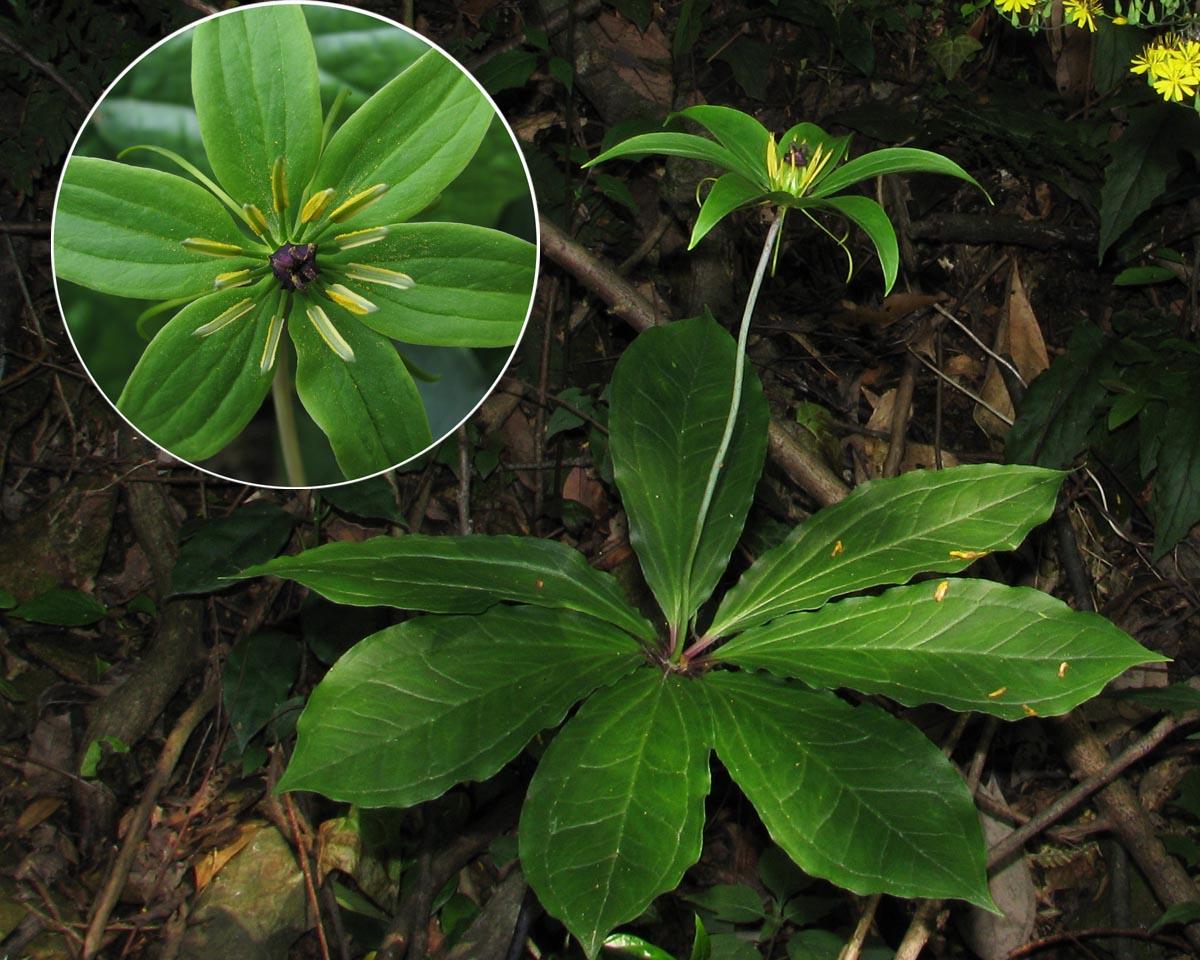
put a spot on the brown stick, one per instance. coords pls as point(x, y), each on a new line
point(49, 71)
point(167, 760)
point(805, 469)
point(34, 228)
point(904, 398)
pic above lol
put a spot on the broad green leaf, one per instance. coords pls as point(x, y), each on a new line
point(256, 679)
point(615, 812)
point(414, 136)
point(416, 708)
point(727, 194)
point(986, 647)
point(739, 133)
point(671, 145)
point(368, 407)
point(887, 531)
point(258, 100)
point(61, 607)
point(224, 545)
point(850, 793)
point(459, 575)
point(1063, 404)
point(1143, 160)
point(627, 945)
point(357, 53)
point(890, 160)
point(120, 229)
point(508, 69)
point(193, 394)
point(671, 392)
point(1177, 477)
point(870, 216)
point(471, 286)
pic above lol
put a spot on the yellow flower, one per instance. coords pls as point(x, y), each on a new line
point(1083, 13)
point(1176, 80)
point(1015, 6)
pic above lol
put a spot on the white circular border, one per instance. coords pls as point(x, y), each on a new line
point(537, 226)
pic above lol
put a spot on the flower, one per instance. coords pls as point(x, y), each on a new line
point(1083, 13)
point(1171, 64)
point(305, 227)
point(1015, 6)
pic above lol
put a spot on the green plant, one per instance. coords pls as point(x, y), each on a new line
point(304, 226)
point(523, 629)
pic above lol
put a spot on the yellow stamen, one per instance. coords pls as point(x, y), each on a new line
point(997, 693)
point(239, 309)
point(1062, 669)
point(343, 296)
point(967, 554)
point(234, 278)
point(272, 345)
point(359, 238)
point(372, 274)
point(333, 339)
point(943, 588)
point(360, 201)
point(1029, 711)
point(772, 160)
point(279, 191)
point(315, 205)
point(214, 248)
point(837, 549)
point(258, 222)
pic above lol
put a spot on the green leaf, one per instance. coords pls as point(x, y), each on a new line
point(1181, 913)
point(419, 707)
point(687, 30)
point(119, 229)
point(471, 286)
point(459, 575)
point(743, 136)
point(701, 946)
point(671, 392)
point(123, 121)
point(730, 902)
point(256, 679)
point(368, 407)
point(192, 395)
point(357, 53)
point(258, 100)
point(415, 135)
point(851, 794)
point(885, 532)
point(1177, 698)
point(225, 545)
point(873, 220)
point(627, 945)
point(670, 145)
point(985, 647)
point(1144, 276)
point(891, 160)
point(730, 192)
point(1177, 478)
point(509, 68)
point(1063, 404)
point(1143, 160)
point(61, 607)
point(615, 812)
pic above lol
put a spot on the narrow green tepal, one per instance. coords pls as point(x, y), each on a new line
point(459, 575)
point(886, 532)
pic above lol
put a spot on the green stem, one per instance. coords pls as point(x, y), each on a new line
point(285, 420)
point(739, 368)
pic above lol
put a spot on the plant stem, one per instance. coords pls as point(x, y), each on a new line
point(285, 420)
point(739, 368)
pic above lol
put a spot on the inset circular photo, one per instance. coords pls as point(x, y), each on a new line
point(295, 244)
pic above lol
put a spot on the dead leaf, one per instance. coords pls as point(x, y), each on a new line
point(38, 811)
point(582, 486)
point(1020, 337)
point(917, 456)
point(209, 865)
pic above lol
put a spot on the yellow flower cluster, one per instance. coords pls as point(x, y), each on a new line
point(1083, 13)
point(1015, 6)
point(1171, 64)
